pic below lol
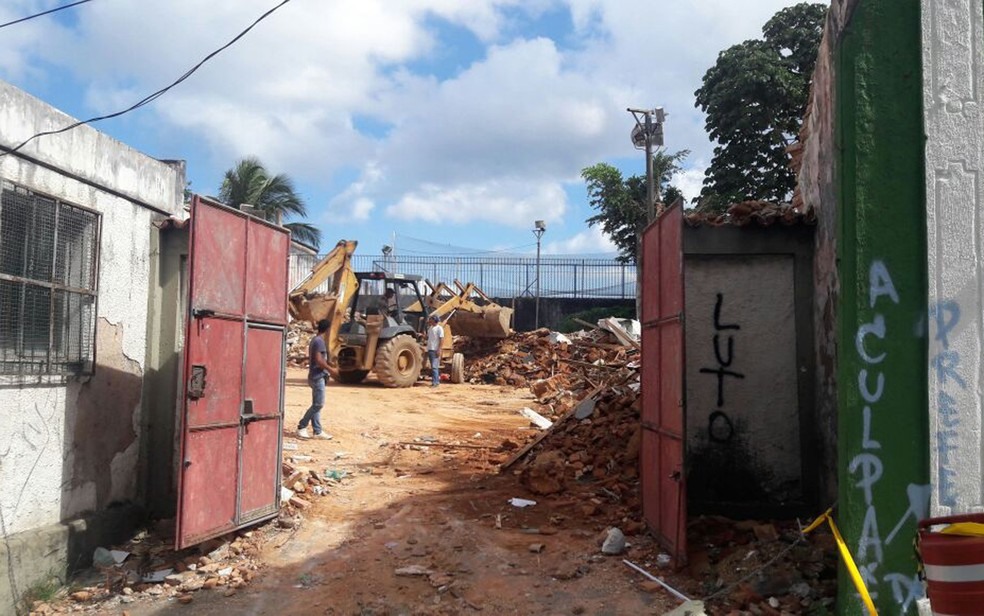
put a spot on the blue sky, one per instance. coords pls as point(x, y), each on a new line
point(439, 125)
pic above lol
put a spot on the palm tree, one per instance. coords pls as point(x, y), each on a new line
point(249, 183)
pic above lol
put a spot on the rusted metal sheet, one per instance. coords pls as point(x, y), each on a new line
point(232, 410)
point(261, 418)
point(662, 455)
point(268, 265)
point(216, 345)
point(218, 259)
point(208, 485)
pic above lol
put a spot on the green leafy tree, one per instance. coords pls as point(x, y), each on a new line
point(249, 183)
point(621, 202)
point(754, 98)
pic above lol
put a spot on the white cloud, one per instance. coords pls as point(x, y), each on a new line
point(590, 241)
point(493, 142)
point(506, 203)
point(690, 181)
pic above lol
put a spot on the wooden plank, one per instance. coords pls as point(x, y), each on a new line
point(447, 445)
point(525, 450)
point(584, 323)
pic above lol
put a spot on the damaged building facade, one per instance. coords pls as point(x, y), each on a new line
point(77, 246)
point(892, 163)
point(751, 433)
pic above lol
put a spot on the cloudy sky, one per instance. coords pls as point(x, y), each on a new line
point(441, 125)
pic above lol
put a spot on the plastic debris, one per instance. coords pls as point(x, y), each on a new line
point(521, 502)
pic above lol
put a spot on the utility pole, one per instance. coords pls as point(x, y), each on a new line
point(645, 135)
point(539, 228)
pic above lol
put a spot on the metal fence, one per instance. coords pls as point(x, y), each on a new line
point(501, 276)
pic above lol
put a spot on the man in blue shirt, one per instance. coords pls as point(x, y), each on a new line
point(317, 375)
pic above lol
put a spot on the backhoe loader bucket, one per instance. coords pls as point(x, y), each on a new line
point(491, 322)
point(312, 309)
point(468, 317)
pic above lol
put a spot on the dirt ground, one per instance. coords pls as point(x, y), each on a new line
point(436, 510)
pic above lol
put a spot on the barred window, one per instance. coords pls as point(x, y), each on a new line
point(48, 263)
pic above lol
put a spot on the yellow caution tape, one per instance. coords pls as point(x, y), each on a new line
point(966, 529)
point(848, 559)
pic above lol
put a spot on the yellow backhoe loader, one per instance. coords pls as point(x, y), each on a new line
point(370, 331)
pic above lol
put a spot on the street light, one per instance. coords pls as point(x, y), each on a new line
point(539, 228)
point(645, 135)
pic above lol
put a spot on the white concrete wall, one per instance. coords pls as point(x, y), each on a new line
point(758, 412)
point(953, 74)
point(52, 430)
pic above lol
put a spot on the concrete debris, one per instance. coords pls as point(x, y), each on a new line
point(584, 408)
point(558, 338)
point(157, 576)
point(413, 571)
point(535, 418)
point(614, 543)
point(689, 608)
point(148, 567)
point(521, 502)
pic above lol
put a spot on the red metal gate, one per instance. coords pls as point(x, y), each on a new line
point(232, 407)
point(661, 465)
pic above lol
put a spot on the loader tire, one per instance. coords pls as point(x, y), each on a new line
point(398, 362)
point(350, 377)
point(457, 368)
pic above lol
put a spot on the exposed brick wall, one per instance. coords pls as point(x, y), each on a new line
point(817, 191)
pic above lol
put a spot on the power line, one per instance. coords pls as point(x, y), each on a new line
point(461, 249)
point(43, 13)
point(152, 97)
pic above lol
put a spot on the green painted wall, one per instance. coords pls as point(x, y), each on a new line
point(882, 382)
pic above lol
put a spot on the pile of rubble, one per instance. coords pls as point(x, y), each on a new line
point(299, 334)
point(147, 568)
point(550, 362)
point(761, 567)
point(300, 485)
point(588, 383)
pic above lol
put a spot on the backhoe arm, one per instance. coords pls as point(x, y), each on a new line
point(307, 306)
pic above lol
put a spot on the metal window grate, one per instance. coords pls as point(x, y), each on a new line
point(48, 273)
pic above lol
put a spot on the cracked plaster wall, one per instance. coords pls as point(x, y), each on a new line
point(70, 446)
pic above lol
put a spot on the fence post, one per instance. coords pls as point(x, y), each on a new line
point(623, 281)
point(575, 280)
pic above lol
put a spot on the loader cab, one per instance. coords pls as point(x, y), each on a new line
point(370, 303)
point(372, 299)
